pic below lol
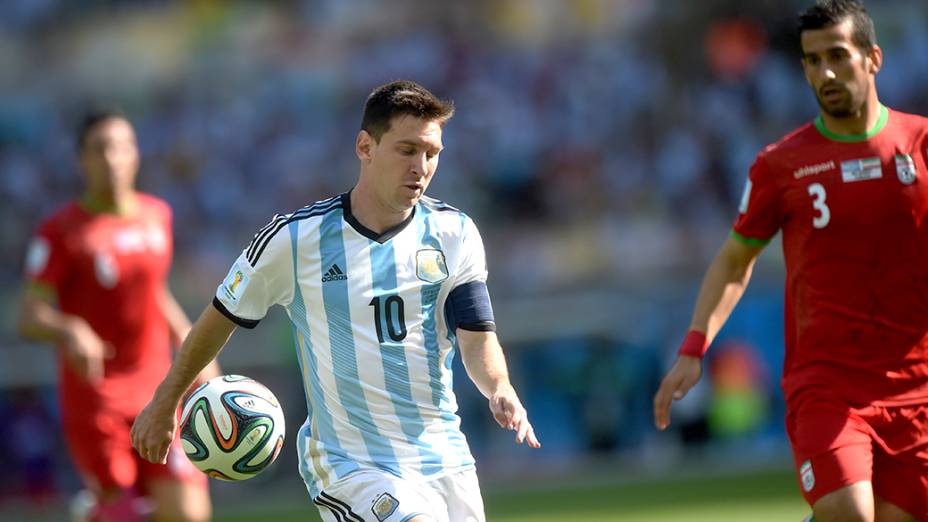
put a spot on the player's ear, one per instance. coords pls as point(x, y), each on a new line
point(364, 146)
point(875, 59)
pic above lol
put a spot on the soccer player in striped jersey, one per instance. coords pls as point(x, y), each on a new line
point(850, 194)
point(382, 285)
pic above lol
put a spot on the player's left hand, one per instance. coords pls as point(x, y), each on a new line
point(511, 415)
point(153, 431)
point(683, 375)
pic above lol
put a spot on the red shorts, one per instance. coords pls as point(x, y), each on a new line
point(102, 451)
point(835, 445)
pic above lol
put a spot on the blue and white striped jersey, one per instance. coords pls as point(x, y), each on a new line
point(371, 336)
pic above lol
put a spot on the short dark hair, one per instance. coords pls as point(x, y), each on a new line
point(402, 98)
point(91, 119)
point(827, 13)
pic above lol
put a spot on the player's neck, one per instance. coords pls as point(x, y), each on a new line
point(861, 123)
point(375, 216)
point(123, 205)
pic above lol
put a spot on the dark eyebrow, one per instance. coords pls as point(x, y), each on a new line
point(415, 143)
point(829, 50)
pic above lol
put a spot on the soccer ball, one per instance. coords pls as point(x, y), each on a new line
point(232, 427)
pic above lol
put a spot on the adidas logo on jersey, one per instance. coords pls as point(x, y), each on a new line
point(334, 274)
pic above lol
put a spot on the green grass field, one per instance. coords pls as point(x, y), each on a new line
point(758, 497)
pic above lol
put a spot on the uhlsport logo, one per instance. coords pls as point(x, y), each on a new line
point(384, 506)
point(334, 274)
point(811, 170)
point(430, 266)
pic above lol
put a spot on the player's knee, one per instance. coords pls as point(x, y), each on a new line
point(182, 503)
point(842, 513)
point(117, 506)
point(187, 512)
point(888, 512)
point(852, 503)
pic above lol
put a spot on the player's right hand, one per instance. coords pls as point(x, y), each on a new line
point(683, 375)
point(153, 431)
point(85, 351)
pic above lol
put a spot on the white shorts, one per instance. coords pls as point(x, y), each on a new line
point(376, 496)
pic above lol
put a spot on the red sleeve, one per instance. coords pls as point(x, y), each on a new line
point(759, 214)
point(47, 258)
point(925, 148)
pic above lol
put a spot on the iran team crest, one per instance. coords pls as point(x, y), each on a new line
point(430, 266)
point(807, 476)
point(905, 169)
point(104, 266)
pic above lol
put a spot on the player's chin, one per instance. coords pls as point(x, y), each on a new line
point(408, 198)
point(837, 106)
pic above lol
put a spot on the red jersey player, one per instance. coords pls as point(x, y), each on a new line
point(849, 191)
point(97, 287)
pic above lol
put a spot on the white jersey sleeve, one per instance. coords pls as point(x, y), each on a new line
point(473, 265)
point(261, 277)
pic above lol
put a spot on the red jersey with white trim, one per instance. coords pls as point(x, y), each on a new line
point(855, 239)
point(110, 270)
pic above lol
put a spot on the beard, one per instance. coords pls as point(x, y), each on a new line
point(843, 106)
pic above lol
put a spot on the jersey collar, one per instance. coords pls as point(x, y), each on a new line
point(850, 138)
point(368, 233)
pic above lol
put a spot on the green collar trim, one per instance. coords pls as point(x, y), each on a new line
point(880, 123)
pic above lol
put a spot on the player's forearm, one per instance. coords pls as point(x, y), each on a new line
point(484, 361)
point(40, 321)
point(722, 288)
point(206, 339)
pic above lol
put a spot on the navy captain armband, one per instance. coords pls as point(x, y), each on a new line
point(468, 307)
point(244, 323)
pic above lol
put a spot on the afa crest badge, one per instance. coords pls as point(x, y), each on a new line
point(430, 266)
point(384, 506)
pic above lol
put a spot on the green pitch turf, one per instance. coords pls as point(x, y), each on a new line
point(759, 497)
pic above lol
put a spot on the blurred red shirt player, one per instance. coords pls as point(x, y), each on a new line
point(849, 192)
point(97, 287)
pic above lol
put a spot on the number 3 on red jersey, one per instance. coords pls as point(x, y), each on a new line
point(817, 191)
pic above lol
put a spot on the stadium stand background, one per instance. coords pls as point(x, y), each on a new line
point(601, 145)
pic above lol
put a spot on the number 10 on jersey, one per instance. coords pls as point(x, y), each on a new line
point(389, 309)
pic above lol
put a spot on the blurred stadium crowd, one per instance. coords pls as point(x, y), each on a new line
point(601, 145)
